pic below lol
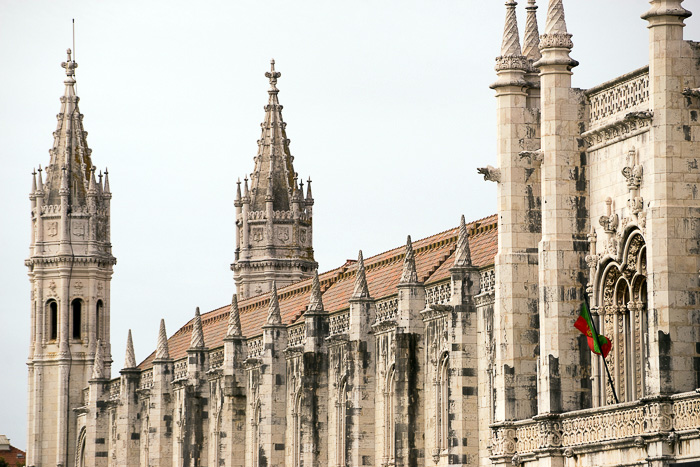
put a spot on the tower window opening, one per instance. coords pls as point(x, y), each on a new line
point(77, 314)
point(53, 320)
point(98, 322)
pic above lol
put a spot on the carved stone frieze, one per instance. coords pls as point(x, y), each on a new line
point(632, 124)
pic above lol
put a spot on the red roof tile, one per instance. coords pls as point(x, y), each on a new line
point(434, 257)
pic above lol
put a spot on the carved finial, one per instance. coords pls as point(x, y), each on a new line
point(409, 274)
point(273, 75)
point(238, 190)
point(556, 22)
point(463, 255)
point(98, 365)
point(92, 187)
point(34, 181)
point(106, 186)
point(511, 37)
point(531, 40)
point(40, 182)
point(245, 187)
point(555, 35)
point(197, 339)
point(130, 360)
point(162, 352)
point(273, 311)
point(64, 191)
point(315, 302)
point(361, 288)
point(308, 189)
point(69, 65)
point(666, 8)
point(234, 319)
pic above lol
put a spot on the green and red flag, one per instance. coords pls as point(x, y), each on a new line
point(596, 342)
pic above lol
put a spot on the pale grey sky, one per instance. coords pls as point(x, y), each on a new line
point(388, 110)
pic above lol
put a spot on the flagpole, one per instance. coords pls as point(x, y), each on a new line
point(597, 343)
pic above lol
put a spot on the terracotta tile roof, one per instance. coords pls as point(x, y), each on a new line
point(434, 258)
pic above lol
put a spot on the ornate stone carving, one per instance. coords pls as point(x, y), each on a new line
point(490, 173)
point(610, 223)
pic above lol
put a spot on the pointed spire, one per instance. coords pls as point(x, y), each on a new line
point(70, 149)
point(34, 182)
point(246, 194)
point(463, 255)
point(556, 23)
point(531, 41)
point(238, 192)
point(511, 37)
point(273, 312)
point(511, 57)
point(130, 360)
point(273, 182)
point(40, 182)
point(92, 188)
point(409, 275)
point(316, 301)
point(162, 352)
point(98, 366)
point(308, 190)
point(234, 319)
point(361, 288)
point(197, 339)
point(106, 187)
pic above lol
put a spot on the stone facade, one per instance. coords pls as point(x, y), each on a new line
point(456, 349)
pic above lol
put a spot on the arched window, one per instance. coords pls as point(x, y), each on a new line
point(390, 417)
point(98, 319)
point(53, 319)
point(442, 404)
point(622, 305)
point(76, 317)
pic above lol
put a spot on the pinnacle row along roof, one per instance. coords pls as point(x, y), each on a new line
point(434, 256)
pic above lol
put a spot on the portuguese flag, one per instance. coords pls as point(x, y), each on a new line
point(597, 343)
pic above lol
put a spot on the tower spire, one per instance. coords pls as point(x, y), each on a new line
point(409, 275)
point(531, 40)
point(98, 365)
point(234, 319)
point(162, 352)
point(511, 57)
point(197, 339)
point(556, 39)
point(361, 288)
point(273, 313)
point(130, 360)
point(70, 149)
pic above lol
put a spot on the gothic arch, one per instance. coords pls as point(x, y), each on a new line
point(297, 431)
point(80, 452)
point(621, 301)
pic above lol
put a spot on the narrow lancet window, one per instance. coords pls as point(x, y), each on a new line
point(77, 312)
point(53, 320)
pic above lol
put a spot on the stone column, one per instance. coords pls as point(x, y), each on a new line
point(273, 395)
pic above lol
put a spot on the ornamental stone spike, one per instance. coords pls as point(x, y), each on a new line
point(234, 319)
point(130, 360)
point(162, 352)
point(98, 365)
point(197, 340)
point(531, 39)
point(511, 37)
point(361, 288)
point(409, 274)
point(40, 182)
point(106, 189)
point(556, 23)
point(273, 313)
point(33, 181)
point(463, 255)
point(316, 301)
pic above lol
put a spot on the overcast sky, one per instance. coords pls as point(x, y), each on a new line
point(388, 110)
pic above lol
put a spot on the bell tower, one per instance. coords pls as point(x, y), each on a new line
point(273, 217)
point(70, 268)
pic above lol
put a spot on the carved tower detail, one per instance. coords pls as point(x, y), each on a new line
point(273, 217)
point(70, 268)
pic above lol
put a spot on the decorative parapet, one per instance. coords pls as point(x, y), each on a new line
point(339, 323)
point(255, 347)
point(593, 429)
point(114, 389)
point(146, 381)
point(439, 294)
point(297, 335)
point(216, 358)
point(622, 95)
point(180, 369)
point(387, 310)
point(487, 280)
